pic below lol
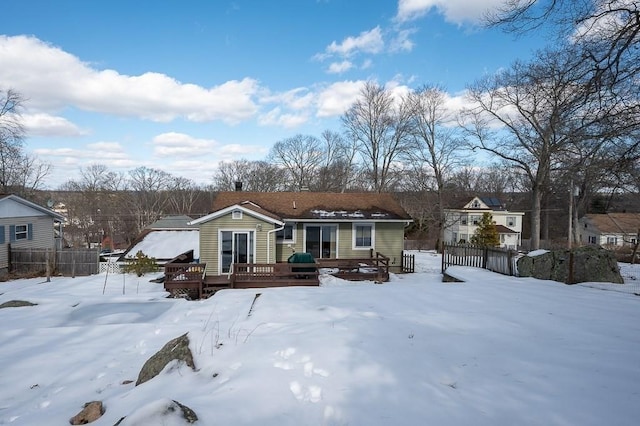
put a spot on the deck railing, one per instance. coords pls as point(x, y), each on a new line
point(375, 267)
point(187, 277)
point(251, 272)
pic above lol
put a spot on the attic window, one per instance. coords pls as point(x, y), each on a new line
point(476, 204)
point(237, 214)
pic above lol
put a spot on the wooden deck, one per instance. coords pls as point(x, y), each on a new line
point(374, 268)
point(190, 279)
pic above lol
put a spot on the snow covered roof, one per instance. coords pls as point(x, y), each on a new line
point(319, 205)
point(165, 245)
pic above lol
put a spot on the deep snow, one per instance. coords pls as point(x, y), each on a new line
point(493, 350)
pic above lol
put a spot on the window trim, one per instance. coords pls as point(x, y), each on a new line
point(293, 234)
point(354, 227)
point(28, 232)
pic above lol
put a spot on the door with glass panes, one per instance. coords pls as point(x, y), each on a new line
point(322, 241)
point(235, 247)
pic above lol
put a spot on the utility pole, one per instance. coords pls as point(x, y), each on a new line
point(570, 214)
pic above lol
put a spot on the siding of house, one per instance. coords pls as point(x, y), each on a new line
point(461, 225)
point(389, 241)
point(40, 233)
point(284, 250)
point(209, 231)
point(608, 230)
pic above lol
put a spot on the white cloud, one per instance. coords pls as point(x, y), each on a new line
point(276, 117)
point(235, 151)
point(52, 79)
point(173, 144)
point(41, 124)
point(454, 11)
point(610, 16)
point(296, 99)
point(339, 67)
point(99, 152)
point(368, 41)
point(401, 42)
point(338, 97)
point(367, 63)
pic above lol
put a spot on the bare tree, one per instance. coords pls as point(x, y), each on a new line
point(542, 107)
point(148, 195)
point(301, 156)
point(182, 194)
point(11, 128)
point(258, 176)
point(96, 206)
point(380, 127)
point(436, 150)
point(337, 169)
point(20, 173)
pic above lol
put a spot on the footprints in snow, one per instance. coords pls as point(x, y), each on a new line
point(286, 360)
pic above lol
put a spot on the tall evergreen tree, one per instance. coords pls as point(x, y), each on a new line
point(486, 235)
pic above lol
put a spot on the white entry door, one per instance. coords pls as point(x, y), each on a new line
point(235, 247)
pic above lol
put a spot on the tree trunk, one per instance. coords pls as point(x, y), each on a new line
point(535, 218)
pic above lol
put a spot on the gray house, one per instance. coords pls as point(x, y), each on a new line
point(24, 224)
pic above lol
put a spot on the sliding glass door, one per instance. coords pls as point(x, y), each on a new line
point(322, 241)
point(235, 247)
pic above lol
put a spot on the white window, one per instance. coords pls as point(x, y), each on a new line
point(463, 238)
point(286, 235)
point(612, 240)
point(592, 239)
point(475, 219)
point(237, 214)
point(21, 232)
point(464, 219)
point(363, 235)
point(511, 221)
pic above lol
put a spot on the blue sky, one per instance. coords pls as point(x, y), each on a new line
point(183, 85)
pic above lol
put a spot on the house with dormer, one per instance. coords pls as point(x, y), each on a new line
point(461, 223)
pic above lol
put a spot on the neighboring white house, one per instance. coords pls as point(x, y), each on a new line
point(462, 223)
point(610, 229)
point(24, 224)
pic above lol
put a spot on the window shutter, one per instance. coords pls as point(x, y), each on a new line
point(12, 233)
point(1, 234)
point(30, 231)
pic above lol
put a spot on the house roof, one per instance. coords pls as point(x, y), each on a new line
point(246, 207)
point(165, 244)
point(172, 222)
point(615, 223)
point(32, 205)
point(493, 203)
point(317, 205)
point(504, 230)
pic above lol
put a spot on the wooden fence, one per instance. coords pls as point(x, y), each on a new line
point(408, 262)
point(67, 262)
point(493, 259)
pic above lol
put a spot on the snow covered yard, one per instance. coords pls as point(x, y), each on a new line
point(493, 350)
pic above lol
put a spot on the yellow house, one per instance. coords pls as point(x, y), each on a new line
point(268, 227)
